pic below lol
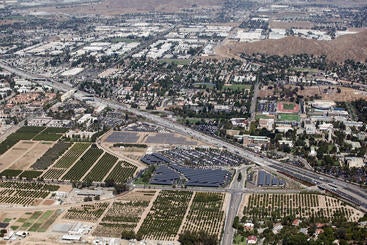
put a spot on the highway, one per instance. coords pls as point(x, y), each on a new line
point(349, 192)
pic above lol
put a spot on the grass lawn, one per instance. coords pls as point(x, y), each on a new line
point(288, 106)
point(237, 240)
point(289, 117)
point(237, 87)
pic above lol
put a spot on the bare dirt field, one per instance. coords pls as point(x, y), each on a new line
point(353, 46)
point(294, 24)
point(326, 93)
point(32, 155)
point(15, 152)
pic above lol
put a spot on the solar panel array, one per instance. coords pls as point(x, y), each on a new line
point(164, 175)
point(123, 137)
point(176, 174)
point(154, 158)
point(203, 157)
point(204, 177)
point(266, 179)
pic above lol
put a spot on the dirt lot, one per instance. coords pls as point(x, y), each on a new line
point(15, 152)
point(29, 157)
point(326, 92)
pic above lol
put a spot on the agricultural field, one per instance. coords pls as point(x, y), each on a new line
point(24, 133)
point(30, 174)
point(30, 157)
point(24, 194)
point(122, 172)
point(300, 205)
point(51, 155)
point(86, 212)
point(9, 173)
point(71, 155)
point(51, 134)
point(54, 173)
point(102, 167)
point(206, 214)
point(37, 221)
point(124, 214)
point(78, 170)
point(166, 215)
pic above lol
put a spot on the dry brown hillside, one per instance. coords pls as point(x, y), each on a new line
point(352, 46)
point(117, 7)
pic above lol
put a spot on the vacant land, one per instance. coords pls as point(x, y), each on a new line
point(23, 154)
point(32, 155)
point(352, 46)
point(325, 92)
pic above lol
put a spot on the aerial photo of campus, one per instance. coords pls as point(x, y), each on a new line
point(192, 122)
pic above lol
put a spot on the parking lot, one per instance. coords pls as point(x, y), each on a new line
point(267, 106)
point(202, 157)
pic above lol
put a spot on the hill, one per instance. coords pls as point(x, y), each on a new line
point(353, 46)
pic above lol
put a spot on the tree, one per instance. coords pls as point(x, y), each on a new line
point(197, 238)
point(239, 178)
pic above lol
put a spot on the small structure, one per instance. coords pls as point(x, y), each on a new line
point(251, 240)
point(72, 238)
point(248, 226)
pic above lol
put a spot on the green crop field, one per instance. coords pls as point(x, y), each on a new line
point(206, 214)
point(122, 172)
point(30, 174)
point(10, 173)
point(83, 164)
point(50, 134)
point(165, 218)
point(102, 167)
point(71, 155)
point(24, 133)
point(51, 155)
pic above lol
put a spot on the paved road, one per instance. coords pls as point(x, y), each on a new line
point(237, 190)
point(254, 101)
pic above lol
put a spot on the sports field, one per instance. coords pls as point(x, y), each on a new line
point(289, 117)
point(287, 107)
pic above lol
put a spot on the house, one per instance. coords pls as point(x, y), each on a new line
point(248, 226)
point(251, 240)
point(277, 228)
point(296, 222)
